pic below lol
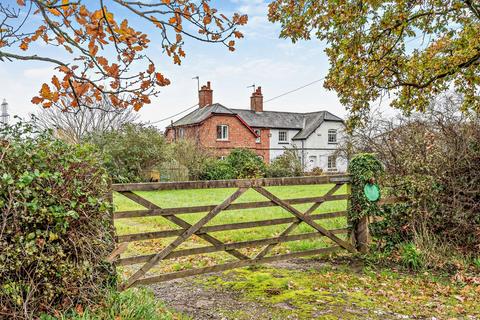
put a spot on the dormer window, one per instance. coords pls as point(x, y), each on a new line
point(332, 136)
point(222, 132)
point(282, 136)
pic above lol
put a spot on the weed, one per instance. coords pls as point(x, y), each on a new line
point(411, 257)
point(476, 262)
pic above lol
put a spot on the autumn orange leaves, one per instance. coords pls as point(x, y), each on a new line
point(105, 49)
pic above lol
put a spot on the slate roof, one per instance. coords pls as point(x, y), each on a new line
point(200, 114)
point(307, 123)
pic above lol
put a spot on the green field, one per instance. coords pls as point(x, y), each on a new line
point(185, 198)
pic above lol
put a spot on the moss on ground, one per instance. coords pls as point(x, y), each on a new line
point(335, 292)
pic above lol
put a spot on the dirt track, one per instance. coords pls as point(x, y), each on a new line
point(190, 297)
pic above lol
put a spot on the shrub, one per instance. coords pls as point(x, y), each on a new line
point(218, 170)
point(56, 224)
point(246, 164)
point(286, 165)
point(239, 164)
point(192, 156)
point(317, 171)
point(131, 151)
point(432, 160)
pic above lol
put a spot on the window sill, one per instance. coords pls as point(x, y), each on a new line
point(223, 140)
point(333, 143)
point(283, 142)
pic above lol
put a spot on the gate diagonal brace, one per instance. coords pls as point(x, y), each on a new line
point(306, 219)
point(181, 238)
point(182, 223)
point(295, 224)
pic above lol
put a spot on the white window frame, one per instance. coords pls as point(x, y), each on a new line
point(223, 132)
point(332, 136)
point(181, 133)
point(332, 166)
point(258, 133)
point(280, 135)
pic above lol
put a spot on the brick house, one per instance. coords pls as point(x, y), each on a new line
point(314, 135)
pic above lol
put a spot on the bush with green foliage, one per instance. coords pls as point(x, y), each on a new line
point(131, 151)
point(286, 165)
point(56, 228)
point(246, 164)
point(239, 164)
point(217, 169)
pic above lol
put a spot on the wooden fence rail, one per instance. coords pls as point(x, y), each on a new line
point(186, 230)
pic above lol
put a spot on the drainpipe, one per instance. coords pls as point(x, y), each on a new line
point(303, 155)
point(174, 131)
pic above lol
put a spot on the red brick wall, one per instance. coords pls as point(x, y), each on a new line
point(239, 136)
point(190, 132)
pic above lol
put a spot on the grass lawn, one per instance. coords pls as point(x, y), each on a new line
point(132, 304)
point(184, 198)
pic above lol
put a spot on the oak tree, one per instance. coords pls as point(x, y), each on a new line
point(407, 51)
point(106, 55)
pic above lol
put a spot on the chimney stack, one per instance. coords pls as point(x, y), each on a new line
point(256, 100)
point(205, 96)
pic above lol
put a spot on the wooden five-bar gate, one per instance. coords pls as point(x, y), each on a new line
point(186, 230)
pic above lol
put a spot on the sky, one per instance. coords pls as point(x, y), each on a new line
point(261, 58)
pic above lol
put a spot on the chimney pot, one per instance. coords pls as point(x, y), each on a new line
point(205, 96)
point(256, 100)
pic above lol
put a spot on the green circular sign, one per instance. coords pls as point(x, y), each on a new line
point(372, 191)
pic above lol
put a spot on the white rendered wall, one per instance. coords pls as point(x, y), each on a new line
point(315, 147)
point(277, 148)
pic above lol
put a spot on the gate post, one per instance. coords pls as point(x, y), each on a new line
point(362, 235)
point(362, 168)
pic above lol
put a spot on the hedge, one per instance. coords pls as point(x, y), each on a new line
point(56, 225)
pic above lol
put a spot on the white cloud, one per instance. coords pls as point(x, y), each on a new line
point(38, 73)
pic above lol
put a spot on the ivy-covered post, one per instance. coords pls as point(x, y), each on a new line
point(364, 170)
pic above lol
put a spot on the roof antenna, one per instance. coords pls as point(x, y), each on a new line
point(252, 86)
point(198, 82)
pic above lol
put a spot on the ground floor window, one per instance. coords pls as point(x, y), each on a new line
point(313, 161)
point(332, 163)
